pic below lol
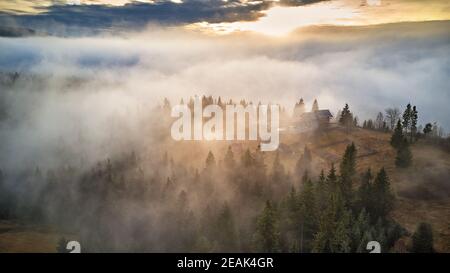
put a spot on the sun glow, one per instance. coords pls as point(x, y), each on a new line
point(279, 21)
point(282, 20)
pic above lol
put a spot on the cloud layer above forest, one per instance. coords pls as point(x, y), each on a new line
point(370, 68)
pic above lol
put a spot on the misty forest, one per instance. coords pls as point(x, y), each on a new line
point(330, 189)
point(350, 154)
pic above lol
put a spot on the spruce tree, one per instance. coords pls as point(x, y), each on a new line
point(360, 232)
point(292, 201)
point(304, 162)
point(407, 118)
point(383, 196)
point(422, 239)
point(315, 106)
point(404, 155)
point(355, 122)
point(332, 179)
point(345, 115)
point(267, 230)
point(342, 240)
point(308, 213)
point(414, 118)
point(226, 231)
point(334, 232)
point(346, 118)
point(348, 169)
point(321, 191)
point(370, 125)
point(365, 192)
point(229, 159)
point(397, 137)
point(210, 160)
point(322, 177)
point(247, 160)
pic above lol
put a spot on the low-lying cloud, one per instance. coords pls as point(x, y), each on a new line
point(83, 92)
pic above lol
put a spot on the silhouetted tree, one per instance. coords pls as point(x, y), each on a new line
point(428, 129)
point(304, 162)
point(355, 122)
point(422, 239)
point(346, 118)
point(229, 159)
point(414, 118)
point(247, 160)
point(210, 160)
point(407, 114)
point(315, 106)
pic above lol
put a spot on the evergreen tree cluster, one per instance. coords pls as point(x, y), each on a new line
point(404, 134)
point(234, 202)
point(251, 207)
point(331, 214)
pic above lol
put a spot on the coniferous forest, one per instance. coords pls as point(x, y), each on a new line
point(175, 197)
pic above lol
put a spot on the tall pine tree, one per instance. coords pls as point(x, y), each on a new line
point(308, 215)
point(348, 169)
point(404, 155)
point(422, 239)
point(365, 192)
point(382, 195)
point(414, 119)
point(226, 231)
point(397, 137)
point(407, 118)
point(346, 118)
point(267, 237)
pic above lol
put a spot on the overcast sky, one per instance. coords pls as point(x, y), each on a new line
point(265, 16)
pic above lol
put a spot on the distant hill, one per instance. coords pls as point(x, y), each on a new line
point(404, 28)
point(16, 31)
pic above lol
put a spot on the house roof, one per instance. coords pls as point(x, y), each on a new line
point(317, 114)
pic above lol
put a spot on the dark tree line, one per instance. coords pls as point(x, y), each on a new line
point(334, 213)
